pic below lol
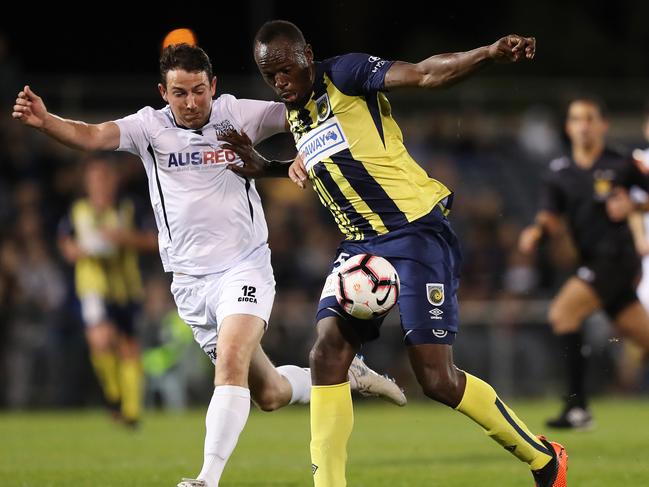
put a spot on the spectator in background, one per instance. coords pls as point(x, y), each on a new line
point(32, 291)
point(167, 344)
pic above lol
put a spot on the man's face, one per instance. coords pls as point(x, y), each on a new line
point(189, 95)
point(287, 68)
point(585, 125)
point(101, 184)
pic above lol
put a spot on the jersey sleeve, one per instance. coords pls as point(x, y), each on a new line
point(636, 177)
point(133, 136)
point(552, 197)
point(259, 119)
point(358, 73)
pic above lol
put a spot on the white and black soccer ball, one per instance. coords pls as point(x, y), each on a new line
point(368, 286)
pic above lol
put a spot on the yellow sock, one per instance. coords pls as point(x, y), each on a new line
point(130, 374)
point(332, 420)
point(482, 405)
point(105, 365)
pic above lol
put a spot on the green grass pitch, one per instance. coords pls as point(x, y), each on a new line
point(419, 445)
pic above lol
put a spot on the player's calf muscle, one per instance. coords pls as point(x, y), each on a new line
point(445, 385)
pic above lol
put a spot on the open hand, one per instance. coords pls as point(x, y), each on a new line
point(254, 164)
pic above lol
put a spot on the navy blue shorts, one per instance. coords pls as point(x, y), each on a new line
point(427, 256)
point(123, 316)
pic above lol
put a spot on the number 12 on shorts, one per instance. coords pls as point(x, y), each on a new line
point(249, 291)
point(248, 294)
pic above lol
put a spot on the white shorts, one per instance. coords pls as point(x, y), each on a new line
point(205, 301)
point(93, 309)
point(643, 287)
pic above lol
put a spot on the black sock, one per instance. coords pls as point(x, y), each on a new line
point(547, 474)
point(575, 368)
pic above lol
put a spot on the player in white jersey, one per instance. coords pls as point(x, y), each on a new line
point(642, 156)
point(212, 236)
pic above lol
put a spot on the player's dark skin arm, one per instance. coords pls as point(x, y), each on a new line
point(446, 69)
point(254, 164)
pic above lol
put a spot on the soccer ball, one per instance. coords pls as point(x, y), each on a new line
point(368, 286)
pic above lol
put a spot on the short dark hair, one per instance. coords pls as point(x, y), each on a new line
point(186, 57)
point(591, 99)
point(273, 29)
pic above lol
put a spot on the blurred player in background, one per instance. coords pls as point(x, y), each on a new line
point(384, 204)
point(212, 236)
point(101, 237)
point(589, 188)
point(642, 221)
point(633, 357)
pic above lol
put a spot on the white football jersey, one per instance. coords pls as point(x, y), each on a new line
point(645, 164)
point(208, 217)
point(640, 196)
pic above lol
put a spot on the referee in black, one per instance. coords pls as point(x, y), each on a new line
point(589, 189)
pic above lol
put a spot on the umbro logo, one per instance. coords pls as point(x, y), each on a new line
point(436, 314)
point(314, 468)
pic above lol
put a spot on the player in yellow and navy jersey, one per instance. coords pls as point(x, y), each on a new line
point(351, 149)
point(338, 131)
point(101, 238)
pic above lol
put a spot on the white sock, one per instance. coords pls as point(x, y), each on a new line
point(353, 383)
point(224, 422)
point(300, 380)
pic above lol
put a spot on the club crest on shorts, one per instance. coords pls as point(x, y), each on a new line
point(435, 293)
point(323, 107)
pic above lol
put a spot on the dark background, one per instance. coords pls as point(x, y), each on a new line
point(596, 38)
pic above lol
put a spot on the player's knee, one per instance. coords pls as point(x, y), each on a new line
point(128, 348)
point(554, 315)
point(322, 355)
point(562, 322)
point(325, 353)
point(267, 399)
point(99, 340)
point(231, 367)
point(442, 386)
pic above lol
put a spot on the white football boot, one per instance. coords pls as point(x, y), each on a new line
point(369, 383)
point(192, 483)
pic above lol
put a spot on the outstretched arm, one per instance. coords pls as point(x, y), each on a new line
point(445, 69)
point(545, 223)
point(31, 111)
point(140, 240)
point(254, 164)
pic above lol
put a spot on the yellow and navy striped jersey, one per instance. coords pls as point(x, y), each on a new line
point(353, 150)
point(107, 270)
